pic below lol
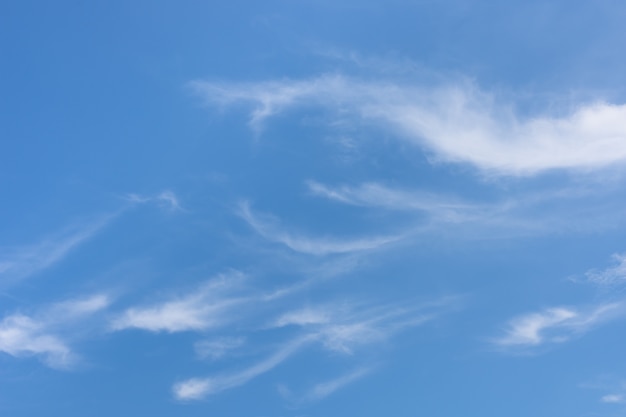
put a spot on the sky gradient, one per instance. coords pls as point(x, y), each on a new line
point(312, 208)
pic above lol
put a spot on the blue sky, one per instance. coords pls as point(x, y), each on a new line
point(312, 208)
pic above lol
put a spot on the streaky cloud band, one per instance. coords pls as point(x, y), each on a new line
point(456, 122)
point(310, 245)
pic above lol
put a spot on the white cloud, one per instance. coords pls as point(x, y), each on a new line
point(197, 388)
point(344, 338)
point(192, 389)
point(613, 398)
point(555, 325)
point(515, 210)
point(170, 199)
point(609, 276)
point(373, 194)
point(339, 328)
point(21, 262)
point(343, 327)
point(303, 317)
point(209, 306)
point(216, 348)
point(614, 388)
point(166, 199)
point(327, 388)
point(456, 122)
point(45, 334)
point(268, 228)
point(81, 306)
point(23, 336)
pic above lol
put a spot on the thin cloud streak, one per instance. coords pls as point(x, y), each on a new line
point(22, 262)
point(197, 388)
point(216, 303)
point(614, 388)
point(614, 275)
point(345, 336)
point(613, 399)
point(268, 229)
point(373, 194)
point(458, 122)
point(324, 389)
point(555, 325)
point(44, 334)
point(215, 349)
point(341, 330)
point(166, 199)
point(209, 306)
point(17, 263)
point(523, 213)
point(22, 336)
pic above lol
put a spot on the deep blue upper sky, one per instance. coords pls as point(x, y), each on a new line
point(312, 208)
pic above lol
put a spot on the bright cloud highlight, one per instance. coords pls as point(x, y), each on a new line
point(456, 122)
point(207, 307)
point(555, 325)
point(47, 334)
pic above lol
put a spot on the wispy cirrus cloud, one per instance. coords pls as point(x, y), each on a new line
point(47, 333)
point(209, 306)
point(166, 199)
point(613, 275)
point(269, 228)
point(373, 194)
point(456, 122)
point(507, 212)
point(344, 327)
point(20, 262)
point(613, 387)
point(555, 325)
point(613, 398)
point(21, 335)
point(339, 328)
point(326, 388)
point(217, 348)
point(197, 388)
point(616, 395)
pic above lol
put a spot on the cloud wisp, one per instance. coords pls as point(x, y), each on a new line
point(165, 199)
point(268, 228)
point(337, 329)
point(209, 306)
point(617, 394)
point(47, 334)
point(555, 325)
point(18, 263)
point(197, 388)
point(507, 212)
point(456, 123)
point(222, 300)
point(373, 194)
point(613, 275)
point(613, 398)
point(324, 389)
point(215, 349)
point(343, 328)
